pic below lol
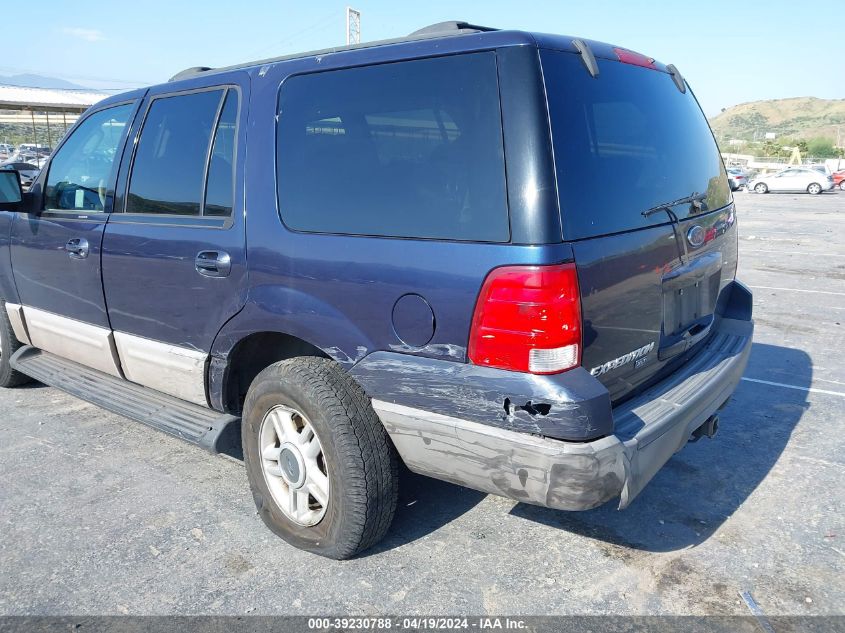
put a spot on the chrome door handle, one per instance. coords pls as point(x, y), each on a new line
point(213, 264)
point(77, 248)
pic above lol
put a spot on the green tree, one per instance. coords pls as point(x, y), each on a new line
point(770, 148)
point(820, 147)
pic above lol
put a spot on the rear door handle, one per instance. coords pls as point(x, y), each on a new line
point(213, 264)
point(77, 248)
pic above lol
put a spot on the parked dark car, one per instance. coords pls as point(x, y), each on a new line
point(413, 256)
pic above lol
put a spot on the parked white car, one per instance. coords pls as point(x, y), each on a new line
point(793, 179)
point(27, 171)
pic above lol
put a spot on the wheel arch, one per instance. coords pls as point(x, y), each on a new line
point(277, 323)
point(251, 355)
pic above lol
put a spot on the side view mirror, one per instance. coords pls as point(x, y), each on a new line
point(11, 193)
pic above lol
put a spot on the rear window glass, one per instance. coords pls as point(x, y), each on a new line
point(410, 149)
point(624, 142)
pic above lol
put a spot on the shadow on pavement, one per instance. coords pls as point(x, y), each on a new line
point(688, 499)
point(704, 484)
point(425, 505)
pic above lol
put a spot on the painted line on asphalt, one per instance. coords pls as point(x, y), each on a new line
point(756, 611)
point(796, 387)
point(835, 382)
point(818, 292)
point(790, 252)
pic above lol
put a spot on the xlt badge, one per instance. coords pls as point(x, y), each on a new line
point(637, 354)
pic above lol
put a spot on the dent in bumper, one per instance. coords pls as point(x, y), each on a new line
point(563, 475)
point(576, 475)
point(573, 405)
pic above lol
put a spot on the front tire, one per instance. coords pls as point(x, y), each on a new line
point(322, 469)
point(814, 189)
point(761, 187)
point(842, 185)
point(9, 344)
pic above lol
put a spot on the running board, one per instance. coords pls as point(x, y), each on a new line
point(212, 430)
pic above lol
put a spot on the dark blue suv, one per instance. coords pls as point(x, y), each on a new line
point(503, 259)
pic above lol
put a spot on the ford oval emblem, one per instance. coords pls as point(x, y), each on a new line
point(695, 235)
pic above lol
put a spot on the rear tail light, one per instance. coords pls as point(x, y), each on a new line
point(528, 319)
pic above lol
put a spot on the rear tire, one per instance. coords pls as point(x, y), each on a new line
point(9, 344)
point(814, 189)
point(842, 185)
point(761, 187)
point(356, 483)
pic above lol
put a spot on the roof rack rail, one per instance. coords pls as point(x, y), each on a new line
point(189, 72)
point(453, 26)
point(441, 29)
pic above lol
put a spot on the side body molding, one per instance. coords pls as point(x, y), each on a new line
point(176, 371)
point(173, 370)
point(88, 344)
point(15, 313)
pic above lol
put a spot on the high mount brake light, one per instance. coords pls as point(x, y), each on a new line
point(528, 319)
point(637, 59)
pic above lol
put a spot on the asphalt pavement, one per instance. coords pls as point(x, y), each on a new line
point(101, 515)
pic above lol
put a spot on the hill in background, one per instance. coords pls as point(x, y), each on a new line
point(798, 118)
point(38, 81)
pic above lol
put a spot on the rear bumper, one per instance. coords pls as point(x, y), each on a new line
point(567, 475)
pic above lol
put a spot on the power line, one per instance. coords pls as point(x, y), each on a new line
point(323, 21)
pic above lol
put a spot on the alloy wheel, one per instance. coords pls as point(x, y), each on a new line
point(294, 465)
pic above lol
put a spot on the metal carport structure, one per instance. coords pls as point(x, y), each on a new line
point(47, 101)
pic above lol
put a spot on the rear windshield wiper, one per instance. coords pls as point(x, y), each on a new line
point(695, 199)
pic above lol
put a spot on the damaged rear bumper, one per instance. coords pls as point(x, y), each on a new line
point(569, 475)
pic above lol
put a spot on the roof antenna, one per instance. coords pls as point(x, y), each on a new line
point(587, 57)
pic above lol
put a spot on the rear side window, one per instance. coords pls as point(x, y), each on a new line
point(407, 149)
point(172, 159)
point(220, 185)
point(624, 142)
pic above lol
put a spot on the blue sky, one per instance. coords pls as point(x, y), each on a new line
point(730, 52)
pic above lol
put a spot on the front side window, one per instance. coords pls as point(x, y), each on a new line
point(407, 149)
point(168, 172)
point(81, 172)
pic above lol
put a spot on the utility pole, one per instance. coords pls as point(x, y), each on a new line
point(353, 26)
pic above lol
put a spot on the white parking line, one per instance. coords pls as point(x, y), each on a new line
point(835, 382)
point(820, 292)
point(796, 387)
point(791, 252)
point(767, 233)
